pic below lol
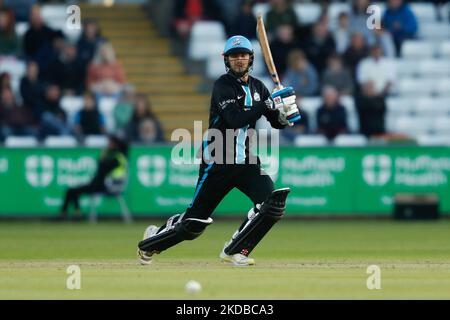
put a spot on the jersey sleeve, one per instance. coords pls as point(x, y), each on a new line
point(225, 100)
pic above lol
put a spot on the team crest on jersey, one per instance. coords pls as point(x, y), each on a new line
point(256, 96)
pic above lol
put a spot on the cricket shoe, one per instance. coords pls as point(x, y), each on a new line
point(145, 258)
point(236, 259)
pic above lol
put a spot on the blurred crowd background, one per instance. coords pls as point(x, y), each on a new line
point(147, 69)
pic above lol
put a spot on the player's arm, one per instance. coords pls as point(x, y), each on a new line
point(224, 99)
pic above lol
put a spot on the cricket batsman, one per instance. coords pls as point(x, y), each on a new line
point(238, 101)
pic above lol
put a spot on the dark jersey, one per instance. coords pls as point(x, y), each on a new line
point(235, 108)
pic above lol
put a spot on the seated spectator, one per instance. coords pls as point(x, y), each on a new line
point(5, 80)
point(123, 111)
point(355, 52)
point(331, 116)
point(106, 75)
point(88, 42)
point(358, 20)
point(53, 119)
point(371, 109)
point(32, 90)
point(338, 76)
point(384, 39)
point(400, 21)
point(20, 8)
point(342, 33)
point(37, 35)
point(378, 70)
point(9, 42)
point(142, 112)
point(299, 128)
point(49, 53)
point(281, 45)
point(89, 120)
point(280, 13)
point(245, 22)
point(67, 71)
point(148, 131)
point(14, 119)
point(301, 75)
point(320, 45)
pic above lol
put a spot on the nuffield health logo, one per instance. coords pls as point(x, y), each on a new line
point(39, 170)
point(377, 169)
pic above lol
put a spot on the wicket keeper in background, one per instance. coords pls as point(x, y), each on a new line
point(238, 101)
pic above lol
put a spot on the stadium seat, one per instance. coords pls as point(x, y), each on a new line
point(442, 125)
point(424, 12)
point(434, 67)
point(417, 49)
point(407, 67)
point(413, 126)
point(334, 9)
point(200, 49)
point(55, 16)
point(416, 87)
point(444, 50)
point(106, 106)
point(316, 140)
point(16, 68)
point(71, 105)
point(214, 67)
point(443, 87)
point(96, 141)
point(344, 140)
point(400, 105)
point(444, 12)
point(310, 106)
point(60, 141)
point(430, 107)
point(433, 140)
point(434, 31)
point(307, 13)
point(21, 142)
point(208, 31)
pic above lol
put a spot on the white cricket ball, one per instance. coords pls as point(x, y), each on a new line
point(193, 287)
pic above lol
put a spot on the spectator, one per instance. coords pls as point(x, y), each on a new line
point(358, 20)
point(245, 22)
point(378, 70)
point(355, 52)
point(88, 42)
point(384, 39)
point(89, 120)
point(342, 33)
point(37, 35)
point(14, 119)
point(281, 45)
point(338, 76)
point(331, 116)
point(106, 75)
point(148, 131)
point(67, 71)
point(400, 21)
point(280, 13)
point(371, 109)
point(142, 112)
point(320, 45)
point(123, 111)
point(49, 53)
point(301, 75)
point(53, 119)
point(9, 42)
point(20, 8)
point(5, 80)
point(32, 90)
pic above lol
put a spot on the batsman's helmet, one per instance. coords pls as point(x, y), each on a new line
point(237, 44)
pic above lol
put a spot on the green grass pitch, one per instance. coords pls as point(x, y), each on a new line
point(297, 260)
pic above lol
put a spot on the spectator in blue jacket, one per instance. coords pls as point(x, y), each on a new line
point(301, 75)
point(400, 21)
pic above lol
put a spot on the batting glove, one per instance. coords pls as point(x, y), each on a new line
point(284, 100)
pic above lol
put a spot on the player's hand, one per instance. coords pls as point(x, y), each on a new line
point(284, 100)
